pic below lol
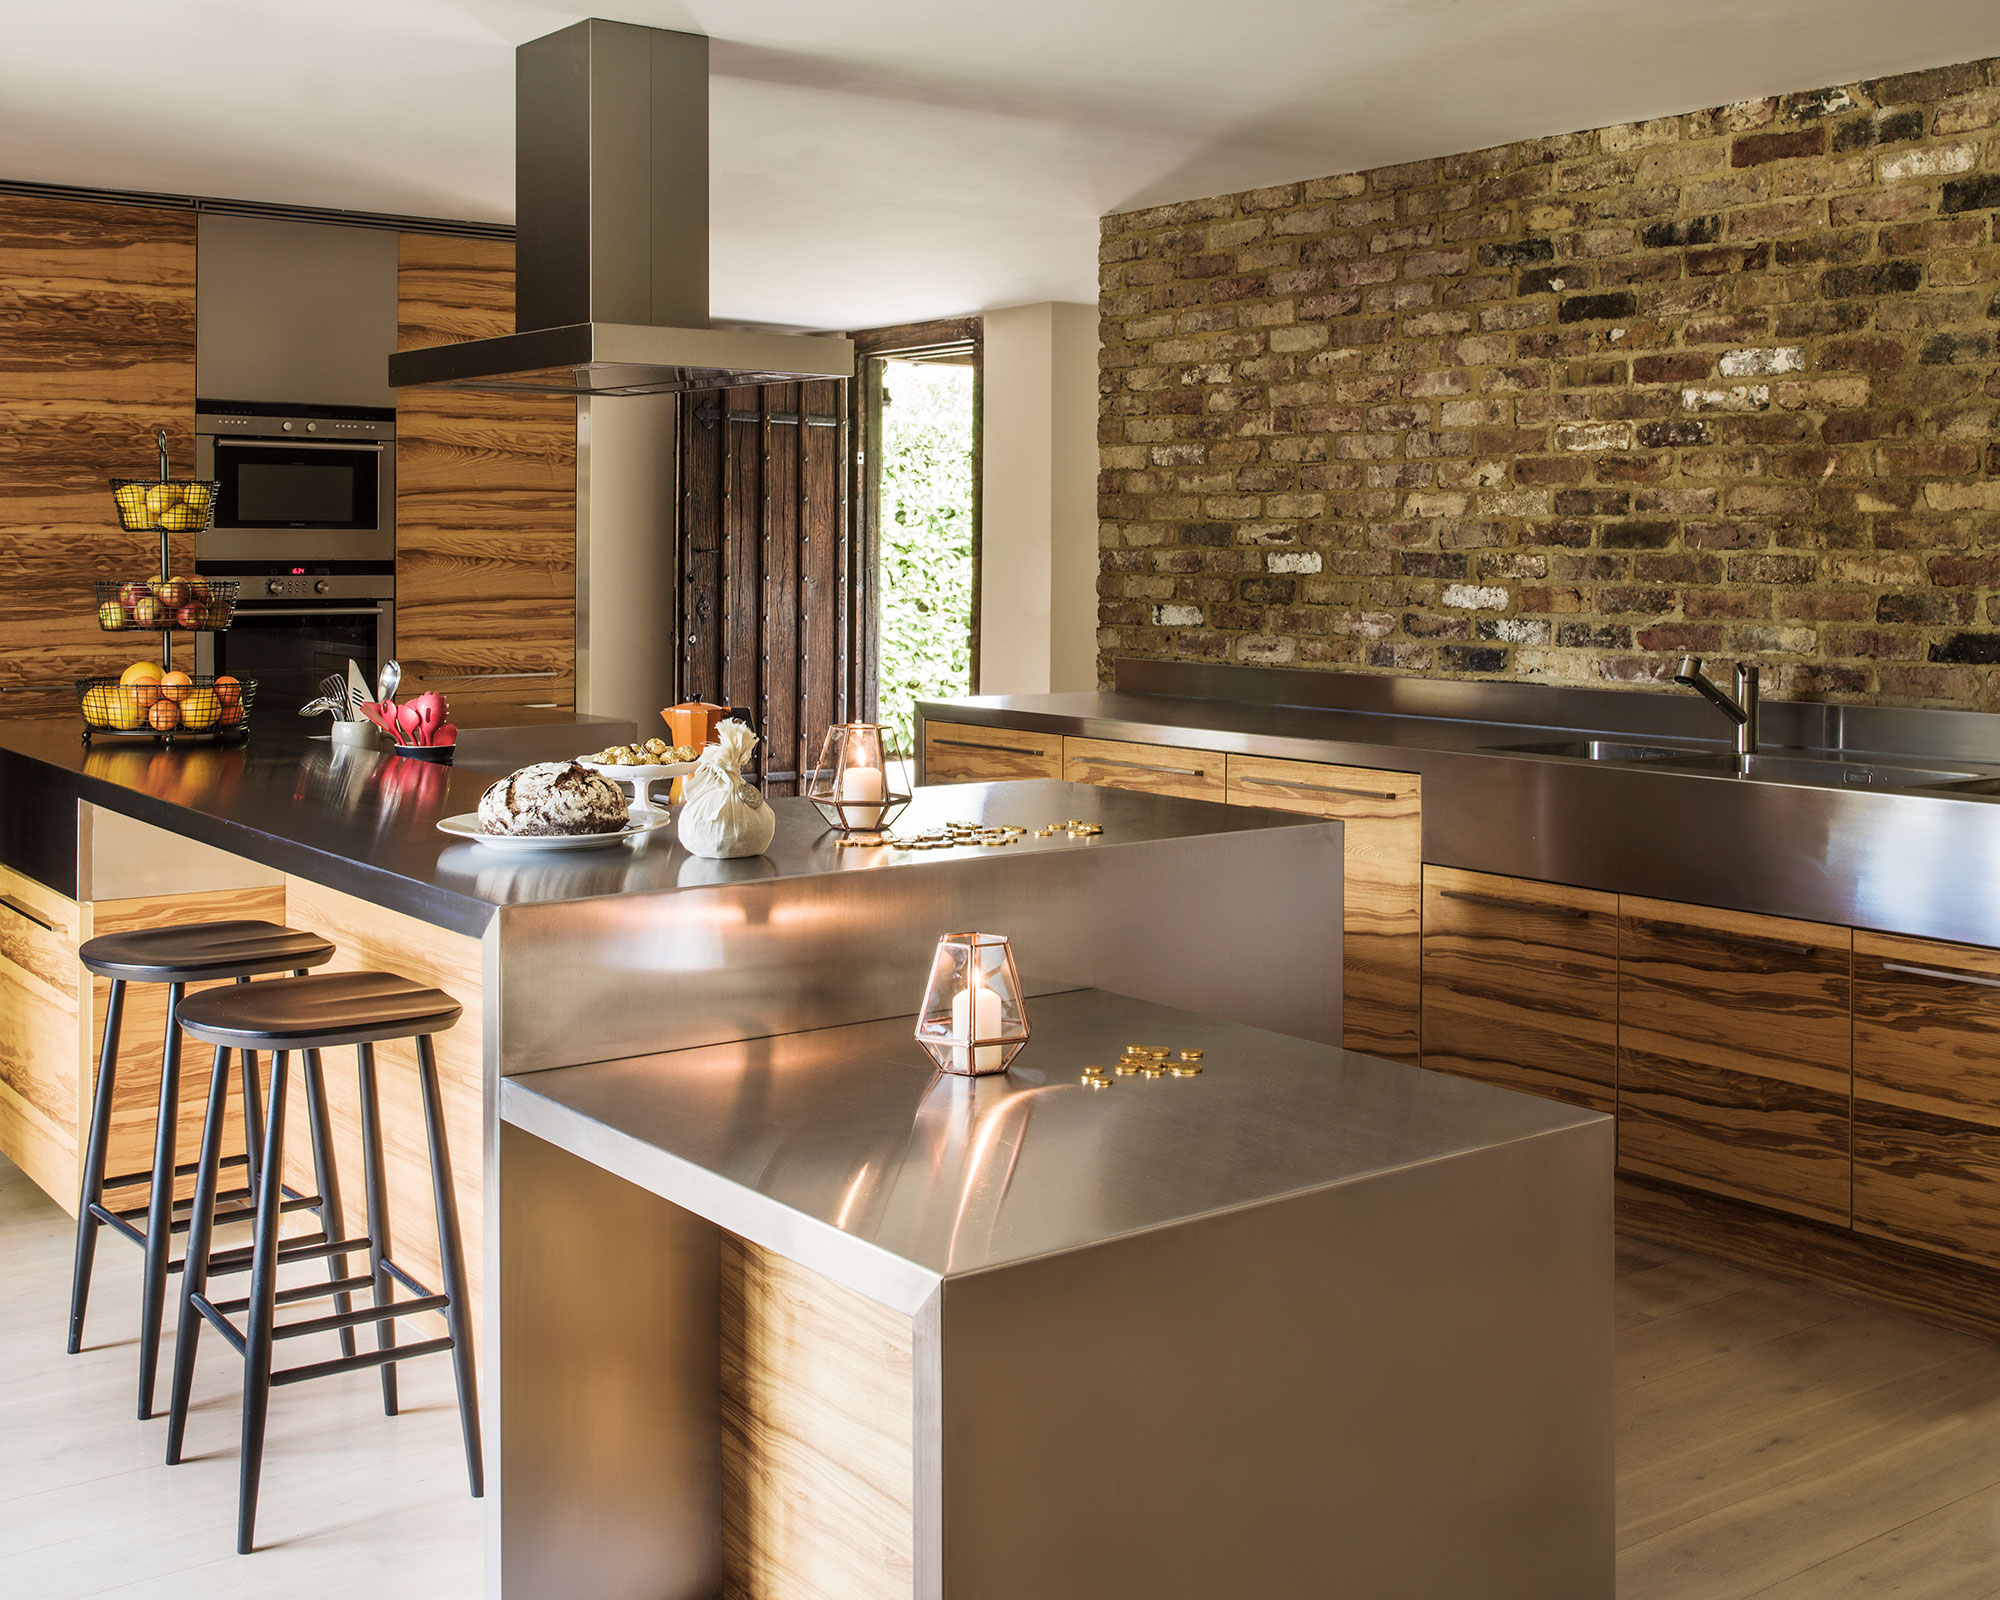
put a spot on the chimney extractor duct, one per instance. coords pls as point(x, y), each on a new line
point(611, 237)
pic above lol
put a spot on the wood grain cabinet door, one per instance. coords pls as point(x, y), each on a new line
point(1735, 1061)
point(1927, 1094)
point(1382, 864)
point(958, 752)
point(1152, 768)
point(1521, 985)
point(41, 1052)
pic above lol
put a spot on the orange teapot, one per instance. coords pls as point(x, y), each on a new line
point(694, 722)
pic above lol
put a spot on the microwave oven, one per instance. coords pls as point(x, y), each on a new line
point(297, 484)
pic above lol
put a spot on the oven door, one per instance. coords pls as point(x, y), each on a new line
point(287, 647)
point(298, 501)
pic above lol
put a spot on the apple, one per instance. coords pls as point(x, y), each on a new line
point(112, 617)
point(149, 613)
point(192, 615)
point(174, 593)
point(130, 594)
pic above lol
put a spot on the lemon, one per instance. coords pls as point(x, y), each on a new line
point(181, 519)
point(98, 706)
point(127, 713)
point(162, 497)
point(201, 708)
point(195, 496)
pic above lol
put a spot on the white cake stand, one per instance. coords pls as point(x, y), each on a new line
point(641, 779)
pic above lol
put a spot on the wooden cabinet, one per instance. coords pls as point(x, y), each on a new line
point(1927, 1094)
point(1383, 866)
point(1735, 1055)
point(1520, 985)
point(958, 752)
point(485, 501)
point(40, 1058)
point(1153, 768)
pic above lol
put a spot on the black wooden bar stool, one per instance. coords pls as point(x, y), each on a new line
point(310, 1014)
point(196, 953)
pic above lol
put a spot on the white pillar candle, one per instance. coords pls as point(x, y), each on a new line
point(975, 1014)
point(862, 783)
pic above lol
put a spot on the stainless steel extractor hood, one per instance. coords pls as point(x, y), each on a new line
point(611, 243)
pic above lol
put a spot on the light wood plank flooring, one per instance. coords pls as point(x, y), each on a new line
point(1773, 1441)
point(354, 1503)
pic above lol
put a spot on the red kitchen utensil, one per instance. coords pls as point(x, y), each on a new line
point(379, 715)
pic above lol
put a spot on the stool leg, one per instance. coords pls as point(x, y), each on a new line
point(93, 1161)
point(160, 1205)
point(201, 1239)
point(257, 1337)
point(326, 1184)
point(253, 1116)
point(378, 1217)
point(444, 1196)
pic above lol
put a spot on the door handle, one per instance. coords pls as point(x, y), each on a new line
point(20, 910)
point(1742, 941)
point(1322, 788)
point(975, 744)
point(1142, 766)
point(1941, 974)
point(1501, 903)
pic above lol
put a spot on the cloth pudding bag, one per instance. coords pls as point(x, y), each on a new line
point(722, 816)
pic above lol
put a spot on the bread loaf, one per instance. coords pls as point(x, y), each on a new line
point(553, 797)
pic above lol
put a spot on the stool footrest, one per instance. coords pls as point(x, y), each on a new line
point(116, 1222)
point(219, 1322)
point(309, 1247)
point(186, 1169)
point(359, 1361)
point(301, 1291)
point(421, 1290)
point(301, 1202)
point(359, 1317)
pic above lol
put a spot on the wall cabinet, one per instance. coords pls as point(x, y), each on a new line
point(1735, 1056)
point(1520, 985)
point(1927, 1094)
point(1382, 916)
point(957, 752)
point(1152, 768)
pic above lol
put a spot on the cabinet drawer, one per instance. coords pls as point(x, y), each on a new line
point(1735, 1059)
point(1927, 1094)
point(958, 752)
point(1520, 985)
point(41, 1057)
point(1382, 862)
point(1155, 768)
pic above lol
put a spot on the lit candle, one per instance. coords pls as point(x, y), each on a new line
point(981, 1006)
point(862, 783)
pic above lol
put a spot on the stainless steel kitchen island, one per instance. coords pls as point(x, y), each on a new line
point(796, 1316)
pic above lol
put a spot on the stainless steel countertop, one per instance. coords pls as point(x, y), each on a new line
point(1901, 861)
point(844, 1149)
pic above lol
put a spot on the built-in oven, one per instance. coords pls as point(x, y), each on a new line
point(297, 485)
point(293, 629)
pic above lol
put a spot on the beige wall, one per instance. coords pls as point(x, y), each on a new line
point(1038, 514)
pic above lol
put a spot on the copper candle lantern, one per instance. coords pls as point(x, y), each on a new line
point(974, 1019)
point(851, 787)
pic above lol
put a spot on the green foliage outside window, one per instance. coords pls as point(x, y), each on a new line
point(924, 598)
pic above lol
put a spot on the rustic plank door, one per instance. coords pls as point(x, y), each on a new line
point(769, 608)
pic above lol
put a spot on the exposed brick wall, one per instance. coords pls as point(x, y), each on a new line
point(1724, 383)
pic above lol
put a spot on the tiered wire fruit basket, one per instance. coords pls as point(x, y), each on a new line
point(164, 705)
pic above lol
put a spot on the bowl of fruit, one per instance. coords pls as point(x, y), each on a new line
point(146, 701)
point(161, 605)
point(154, 505)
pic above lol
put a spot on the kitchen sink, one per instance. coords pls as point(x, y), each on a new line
point(1593, 750)
point(1824, 772)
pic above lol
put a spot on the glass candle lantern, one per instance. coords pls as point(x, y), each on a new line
point(851, 787)
point(974, 1019)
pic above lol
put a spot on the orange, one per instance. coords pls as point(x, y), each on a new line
point(165, 716)
point(229, 689)
point(141, 683)
point(175, 686)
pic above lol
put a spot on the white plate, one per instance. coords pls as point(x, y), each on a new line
point(644, 820)
point(642, 779)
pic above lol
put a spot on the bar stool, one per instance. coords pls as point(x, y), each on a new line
point(195, 953)
point(310, 1014)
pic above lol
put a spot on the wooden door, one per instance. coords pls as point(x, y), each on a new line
point(1521, 985)
point(1150, 768)
point(1927, 1094)
point(957, 752)
point(1735, 1055)
point(1382, 867)
point(97, 355)
point(768, 621)
point(485, 501)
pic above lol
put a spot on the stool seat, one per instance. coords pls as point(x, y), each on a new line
point(203, 952)
point(317, 1012)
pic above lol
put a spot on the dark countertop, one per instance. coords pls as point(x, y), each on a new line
point(366, 822)
point(1901, 860)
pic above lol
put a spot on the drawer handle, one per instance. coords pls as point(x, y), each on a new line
point(1321, 788)
point(1141, 766)
point(975, 744)
point(1742, 941)
point(1501, 903)
point(1941, 974)
point(20, 910)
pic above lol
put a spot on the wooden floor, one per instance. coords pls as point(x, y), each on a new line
point(1772, 1441)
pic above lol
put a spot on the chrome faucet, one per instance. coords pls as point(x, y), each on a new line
point(1742, 710)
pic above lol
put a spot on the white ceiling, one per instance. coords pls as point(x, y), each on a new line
point(878, 161)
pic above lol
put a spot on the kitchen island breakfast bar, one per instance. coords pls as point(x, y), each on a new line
point(772, 1310)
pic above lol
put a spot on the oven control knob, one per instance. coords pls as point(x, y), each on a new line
point(312, 427)
point(274, 587)
point(322, 587)
point(288, 427)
